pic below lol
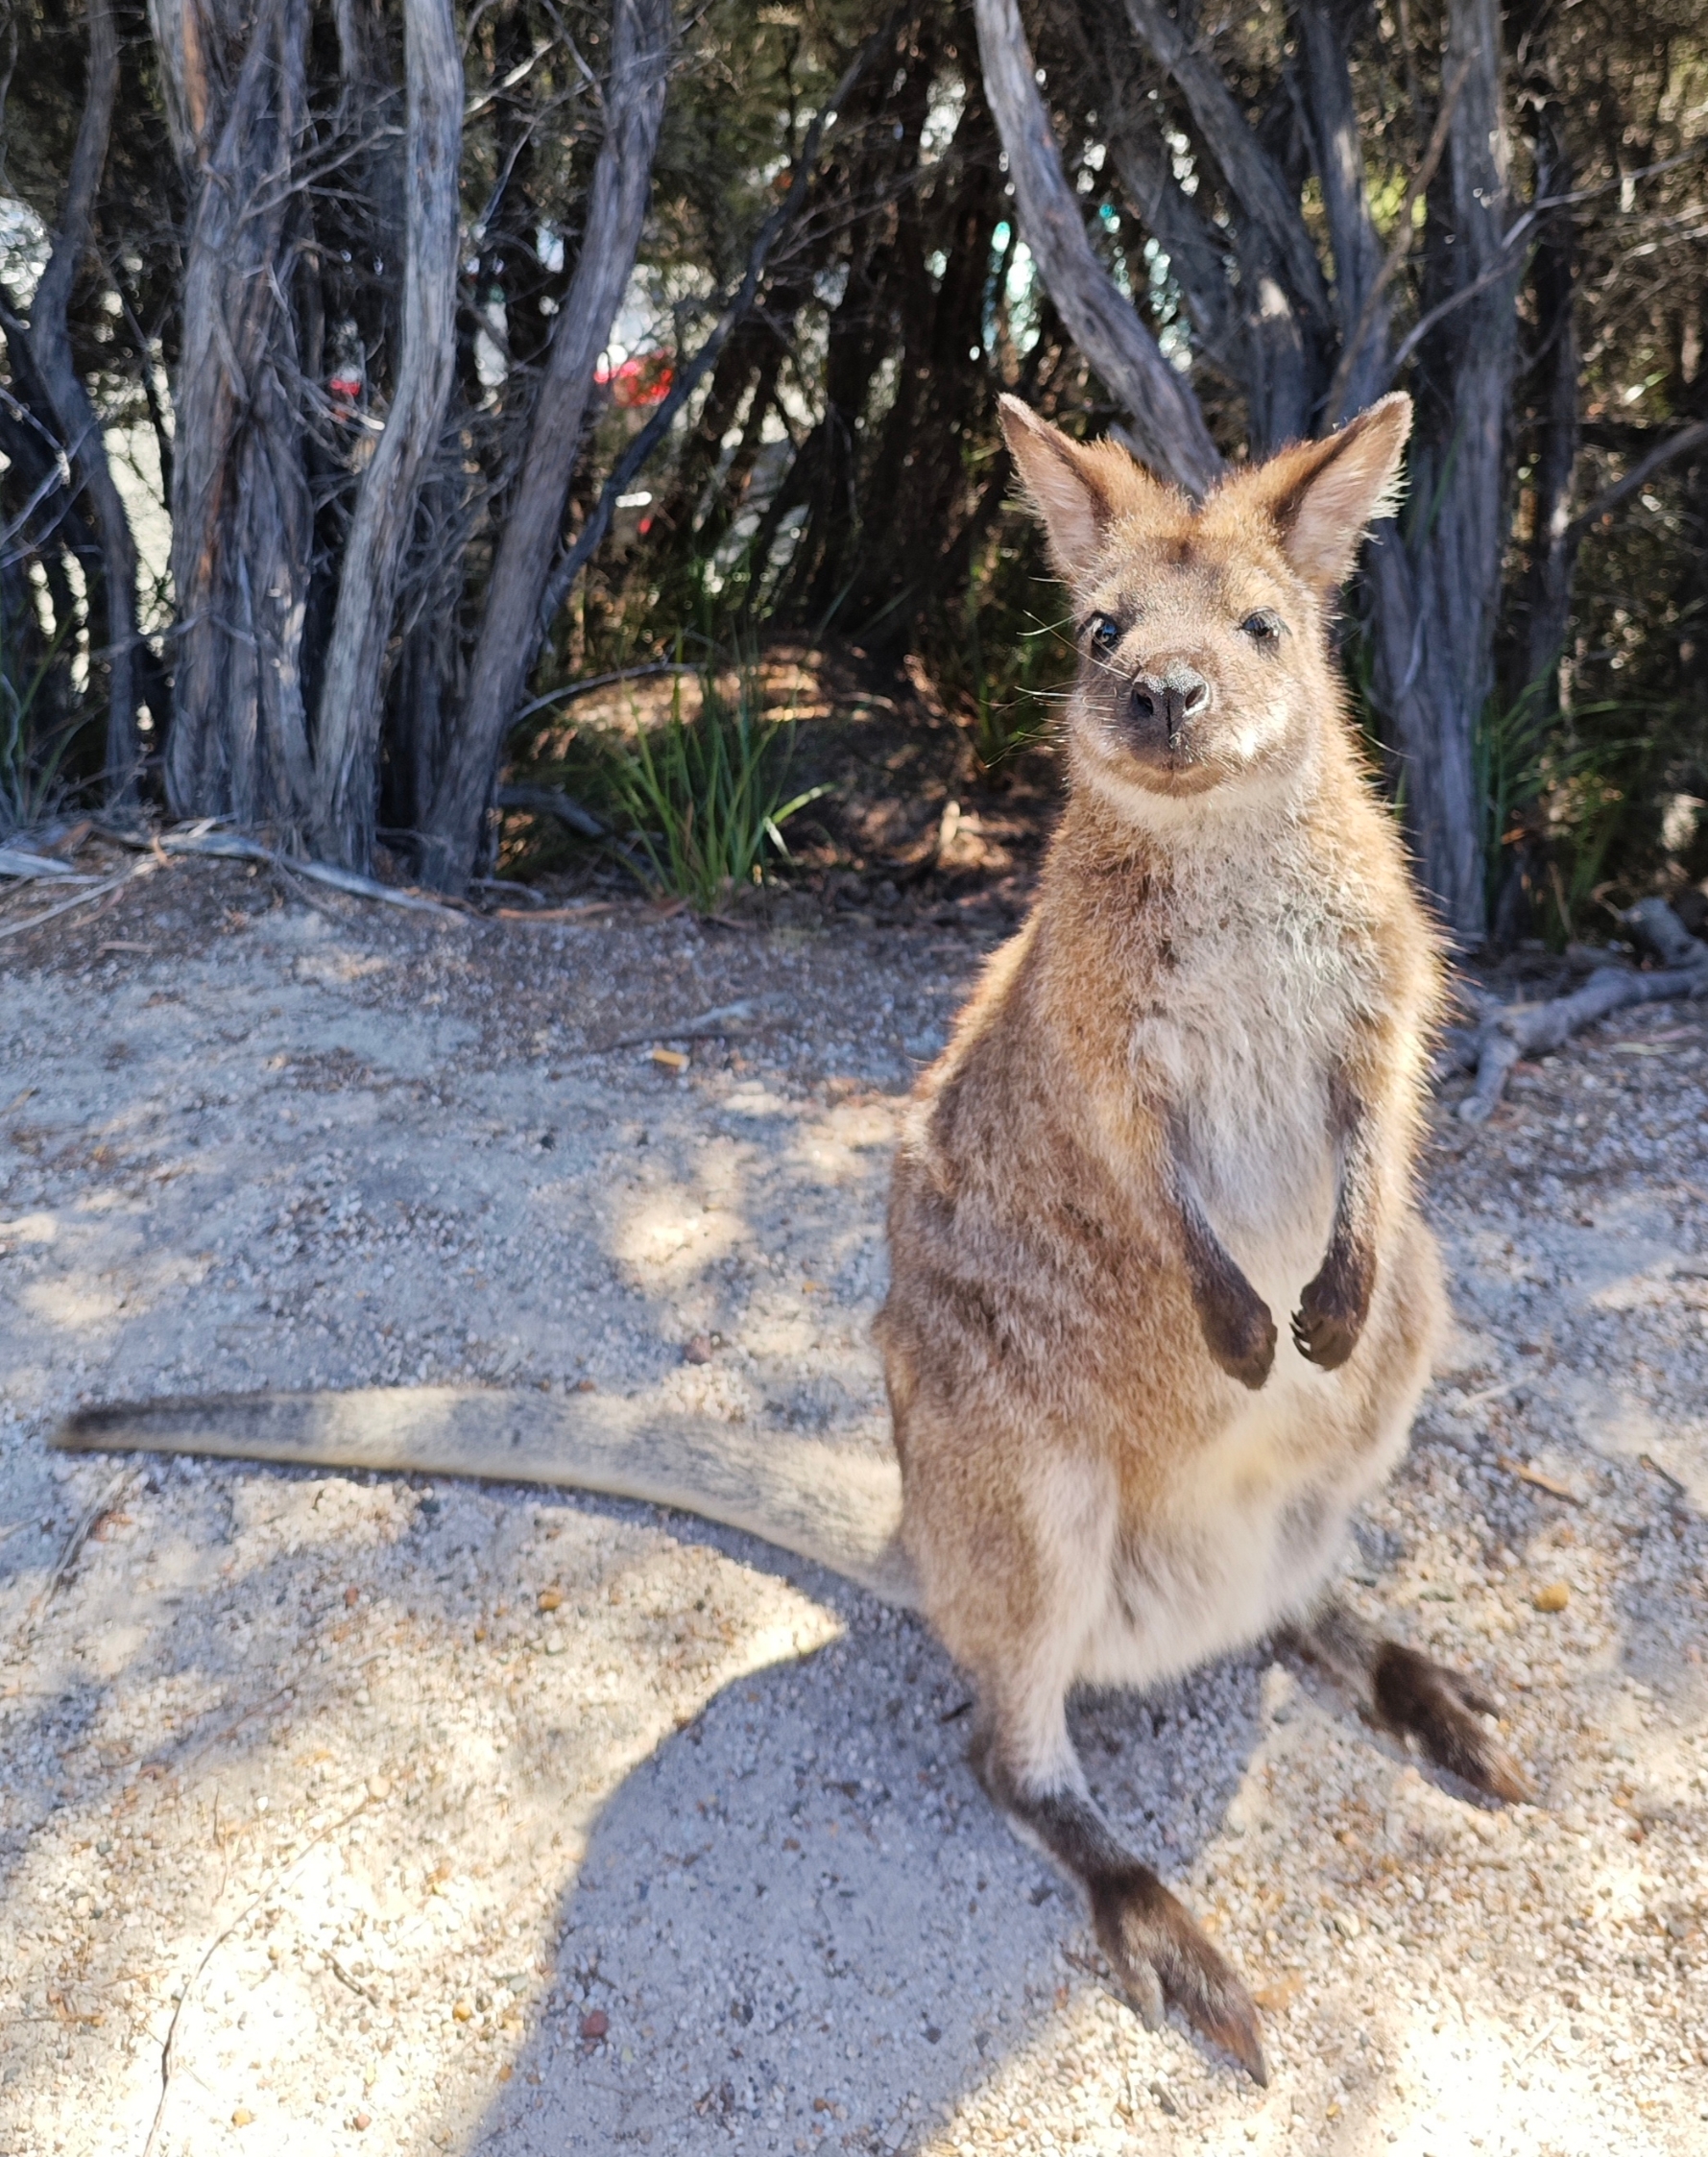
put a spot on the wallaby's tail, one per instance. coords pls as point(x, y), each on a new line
point(842, 1509)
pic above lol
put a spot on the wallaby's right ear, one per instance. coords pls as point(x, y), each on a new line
point(1077, 490)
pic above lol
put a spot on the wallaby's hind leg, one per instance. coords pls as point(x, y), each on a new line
point(1412, 1695)
point(1150, 1939)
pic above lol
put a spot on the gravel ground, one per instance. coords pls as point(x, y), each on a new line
point(403, 1817)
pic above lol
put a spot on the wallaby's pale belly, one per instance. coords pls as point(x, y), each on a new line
point(1252, 1524)
point(1248, 1533)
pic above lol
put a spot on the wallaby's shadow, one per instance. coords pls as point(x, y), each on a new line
point(801, 1918)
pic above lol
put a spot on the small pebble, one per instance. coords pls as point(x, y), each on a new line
point(1555, 1596)
point(595, 2024)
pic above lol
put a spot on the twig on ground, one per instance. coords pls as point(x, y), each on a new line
point(1675, 1489)
point(1534, 1476)
point(501, 883)
point(549, 914)
point(725, 1019)
point(219, 1940)
point(65, 1565)
point(550, 800)
point(18, 861)
point(83, 899)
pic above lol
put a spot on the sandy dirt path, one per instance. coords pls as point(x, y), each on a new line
point(397, 1817)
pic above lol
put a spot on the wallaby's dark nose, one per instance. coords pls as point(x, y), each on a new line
point(1168, 700)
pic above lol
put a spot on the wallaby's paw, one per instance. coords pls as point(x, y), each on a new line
point(1444, 1712)
point(1240, 1334)
point(1157, 1952)
point(1331, 1314)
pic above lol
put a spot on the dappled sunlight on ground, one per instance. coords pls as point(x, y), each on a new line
point(520, 1823)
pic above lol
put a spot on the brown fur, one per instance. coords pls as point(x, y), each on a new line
point(1189, 1087)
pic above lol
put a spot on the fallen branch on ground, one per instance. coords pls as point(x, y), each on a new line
point(20, 861)
point(83, 899)
point(111, 1497)
point(169, 2043)
point(1511, 1031)
point(234, 846)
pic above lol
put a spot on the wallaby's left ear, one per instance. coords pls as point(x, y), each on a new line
point(1322, 496)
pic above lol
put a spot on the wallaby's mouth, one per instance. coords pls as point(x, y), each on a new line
point(1162, 723)
point(1176, 763)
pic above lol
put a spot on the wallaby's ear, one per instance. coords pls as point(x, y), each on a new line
point(1322, 496)
point(1079, 489)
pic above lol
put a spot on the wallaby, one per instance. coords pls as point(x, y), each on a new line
point(1188, 1095)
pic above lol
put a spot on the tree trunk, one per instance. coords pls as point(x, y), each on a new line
point(352, 697)
point(242, 519)
point(79, 425)
point(1166, 420)
point(1547, 609)
point(1438, 572)
point(642, 34)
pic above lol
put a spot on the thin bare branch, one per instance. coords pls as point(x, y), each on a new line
point(1400, 245)
point(1679, 445)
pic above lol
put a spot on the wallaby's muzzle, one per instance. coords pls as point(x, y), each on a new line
point(1162, 706)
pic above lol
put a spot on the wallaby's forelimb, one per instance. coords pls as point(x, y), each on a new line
point(1237, 1325)
point(1336, 1304)
point(1147, 1935)
point(1414, 1696)
point(838, 1508)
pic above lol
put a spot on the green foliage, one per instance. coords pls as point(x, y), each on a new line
point(706, 797)
point(33, 754)
point(1011, 694)
point(1506, 750)
point(1000, 661)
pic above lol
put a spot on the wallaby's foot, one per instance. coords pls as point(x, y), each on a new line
point(1150, 1939)
point(1416, 1698)
point(1444, 1712)
point(1157, 1952)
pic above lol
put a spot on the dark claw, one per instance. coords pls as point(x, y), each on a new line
point(1443, 1712)
point(1152, 1940)
point(1322, 1334)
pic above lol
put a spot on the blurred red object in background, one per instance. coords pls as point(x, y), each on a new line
point(640, 381)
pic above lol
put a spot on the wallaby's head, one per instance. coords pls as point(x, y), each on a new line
point(1205, 675)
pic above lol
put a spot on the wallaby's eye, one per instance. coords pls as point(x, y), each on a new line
point(1105, 635)
point(1262, 627)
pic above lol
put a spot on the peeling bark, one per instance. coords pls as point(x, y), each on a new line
point(1166, 423)
point(643, 37)
point(241, 514)
point(352, 697)
point(79, 424)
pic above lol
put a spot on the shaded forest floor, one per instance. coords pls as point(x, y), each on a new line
point(913, 827)
point(436, 1816)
